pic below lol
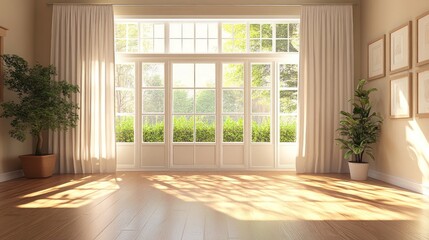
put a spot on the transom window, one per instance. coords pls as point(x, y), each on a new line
point(138, 36)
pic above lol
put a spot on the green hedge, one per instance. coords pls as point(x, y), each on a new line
point(205, 132)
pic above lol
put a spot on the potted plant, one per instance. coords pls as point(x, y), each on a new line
point(359, 129)
point(42, 104)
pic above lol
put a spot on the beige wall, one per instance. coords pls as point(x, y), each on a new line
point(403, 149)
point(18, 16)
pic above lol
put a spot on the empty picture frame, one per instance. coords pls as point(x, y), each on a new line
point(400, 96)
point(423, 39)
point(423, 93)
point(376, 58)
point(400, 48)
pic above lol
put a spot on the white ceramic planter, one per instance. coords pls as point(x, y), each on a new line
point(358, 171)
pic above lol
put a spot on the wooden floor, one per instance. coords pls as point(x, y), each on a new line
point(171, 205)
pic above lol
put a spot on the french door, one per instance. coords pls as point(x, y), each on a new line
point(201, 113)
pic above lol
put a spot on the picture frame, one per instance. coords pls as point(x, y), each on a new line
point(376, 58)
point(401, 96)
point(423, 93)
point(400, 48)
point(2, 35)
point(423, 39)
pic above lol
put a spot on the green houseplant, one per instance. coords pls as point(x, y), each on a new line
point(42, 104)
point(359, 129)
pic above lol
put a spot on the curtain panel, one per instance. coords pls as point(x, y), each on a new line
point(326, 85)
point(82, 50)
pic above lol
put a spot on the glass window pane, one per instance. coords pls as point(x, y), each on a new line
point(132, 45)
point(233, 101)
point(288, 101)
point(175, 30)
point(255, 45)
point(153, 101)
point(205, 75)
point(205, 101)
point(288, 128)
point(153, 74)
point(227, 45)
point(281, 45)
point(153, 128)
point(132, 30)
point(183, 75)
point(124, 101)
point(205, 127)
point(240, 45)
point(267, 31)
point(282, 31)
point(124, 75)
point(233, 75)
point(293, 45)
point(159, 30)
point(261, 75)
point(267, 45)
point(175, 45)
point(146, 30)
point(240, 30)
point(212, 48)
point(255, 30)
point(227, 30)
point(213, 30)
point(183, 101)
point(201, 30)
point(147, 45)
point(124, 128)
point(261, 127)
point(120, 45)
point(293, 30)
point(201, 45)
point(183, 128)
point(188, 30)
point(288, 75)
point(120, 30)
point(261, 101)
point(159, 46)
point(188, 45)
point(233, 128)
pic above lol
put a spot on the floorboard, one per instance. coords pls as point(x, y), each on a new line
point(209, 205)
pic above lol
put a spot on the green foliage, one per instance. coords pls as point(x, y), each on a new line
point(261, 130)
point(360, 128)
point(205, 129)
point(153, 132)
point(124, 128)
point(183, 129)
point(233, 130)
point(288, 131)
point(42, 104)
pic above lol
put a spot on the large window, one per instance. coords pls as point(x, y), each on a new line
point(202, 91)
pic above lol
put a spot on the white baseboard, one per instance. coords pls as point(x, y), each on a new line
point(400, 182)
point(11, 175)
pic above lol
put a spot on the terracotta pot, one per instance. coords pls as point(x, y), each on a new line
point(358, 171)
point(38, 166)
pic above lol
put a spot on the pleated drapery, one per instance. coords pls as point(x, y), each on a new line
point(82, 50)
point(326, 85)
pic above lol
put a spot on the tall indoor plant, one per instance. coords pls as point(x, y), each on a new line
point(42, 104)
point(359, 129)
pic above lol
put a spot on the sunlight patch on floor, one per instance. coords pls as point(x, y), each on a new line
point(73, 194)
point(292, 197)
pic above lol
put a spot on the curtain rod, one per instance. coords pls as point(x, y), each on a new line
point(201, 5)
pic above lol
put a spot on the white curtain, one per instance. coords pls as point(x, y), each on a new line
point(82, 50)
point(326, 85)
